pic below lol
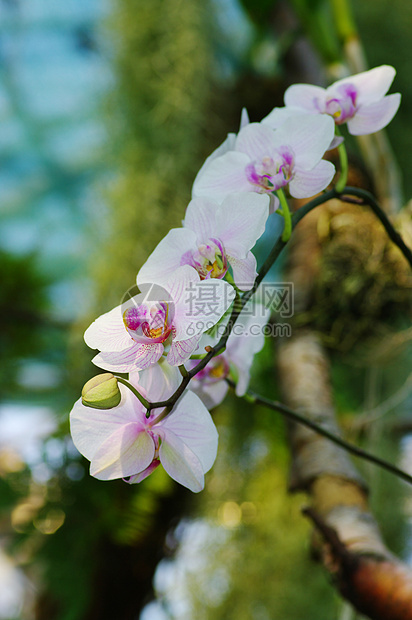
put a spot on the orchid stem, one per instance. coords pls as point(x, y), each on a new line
point(254, 398)
point(142, 399)
point(344, 168)
point(363, 198)
point(229, 278)
point(183, 370)
point(285, 212)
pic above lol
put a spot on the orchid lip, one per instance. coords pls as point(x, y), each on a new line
point(210, 260)
point(148, 324)
point(341, 105)
point(270, 174)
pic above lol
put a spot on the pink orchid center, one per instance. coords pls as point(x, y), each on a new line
point(209, 260)
point(148, 322)
point(342, 105)
point(216, 370)
point(271, 173)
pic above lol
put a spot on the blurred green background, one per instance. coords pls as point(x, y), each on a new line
point(107, 111)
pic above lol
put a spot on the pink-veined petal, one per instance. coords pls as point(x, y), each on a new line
point(241, 220)
point(143, 474)
point(167, 256)
point(204, 304)
point(108, 332)
point(278, 116)
point(138, 357)
point(126, 452)
point(222, 176)
point(181, 463)
point(309, 137)
point(181, 351)
point(158, 382)
point(200, 217)
point(247, 339)
point(305, 96)
point(193, 424)
point(371, 85)
point(211, 394)
point(180, 283)
point(91, 427)
point(244, 270)
point(375, 116)
point(256, 141)
point(307, 183)
point(226, 146)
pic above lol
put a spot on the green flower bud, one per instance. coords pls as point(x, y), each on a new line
point(101, 392)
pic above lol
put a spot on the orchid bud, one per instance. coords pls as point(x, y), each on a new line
point(101, 392)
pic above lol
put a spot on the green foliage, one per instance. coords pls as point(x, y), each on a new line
point(22, 303)
point(258, 548)
point(157, 121)
point(101, 560)
point(384, 29)
point(259, 11)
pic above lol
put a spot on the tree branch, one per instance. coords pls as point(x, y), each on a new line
point(295, 416)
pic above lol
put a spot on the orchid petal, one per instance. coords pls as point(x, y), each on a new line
point(126, 452)
point(108, 332)
point(167, 256)
point(274, 204)
point(371, 85)
point(200, 217)
point(204, 304)
point(193, 424)
point(374, 116)
point(181, 283)
point(256, 141)
point(91, 427)
point(278, 116)
point(305, 96)
point(226, 146)
point(158, 382)
point(337, 140)
point(181, 351)
point(138, 357)
point(143, 474)
point(309, 137)
point(307, 183)
point(181, 463)
point(241, 220)
point(244, 270)
point(244, 119)
point(222, 176)
point(211, 394)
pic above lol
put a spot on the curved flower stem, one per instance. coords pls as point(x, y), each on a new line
point(285, 212)
point(344, 168)
point(142, 399)
point(365, 197)
point(254, 398)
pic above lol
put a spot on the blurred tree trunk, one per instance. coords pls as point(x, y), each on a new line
point(330, 257)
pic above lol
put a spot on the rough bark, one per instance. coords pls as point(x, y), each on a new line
point(347, 539)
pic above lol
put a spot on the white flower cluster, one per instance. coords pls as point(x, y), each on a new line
point(190, 281)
